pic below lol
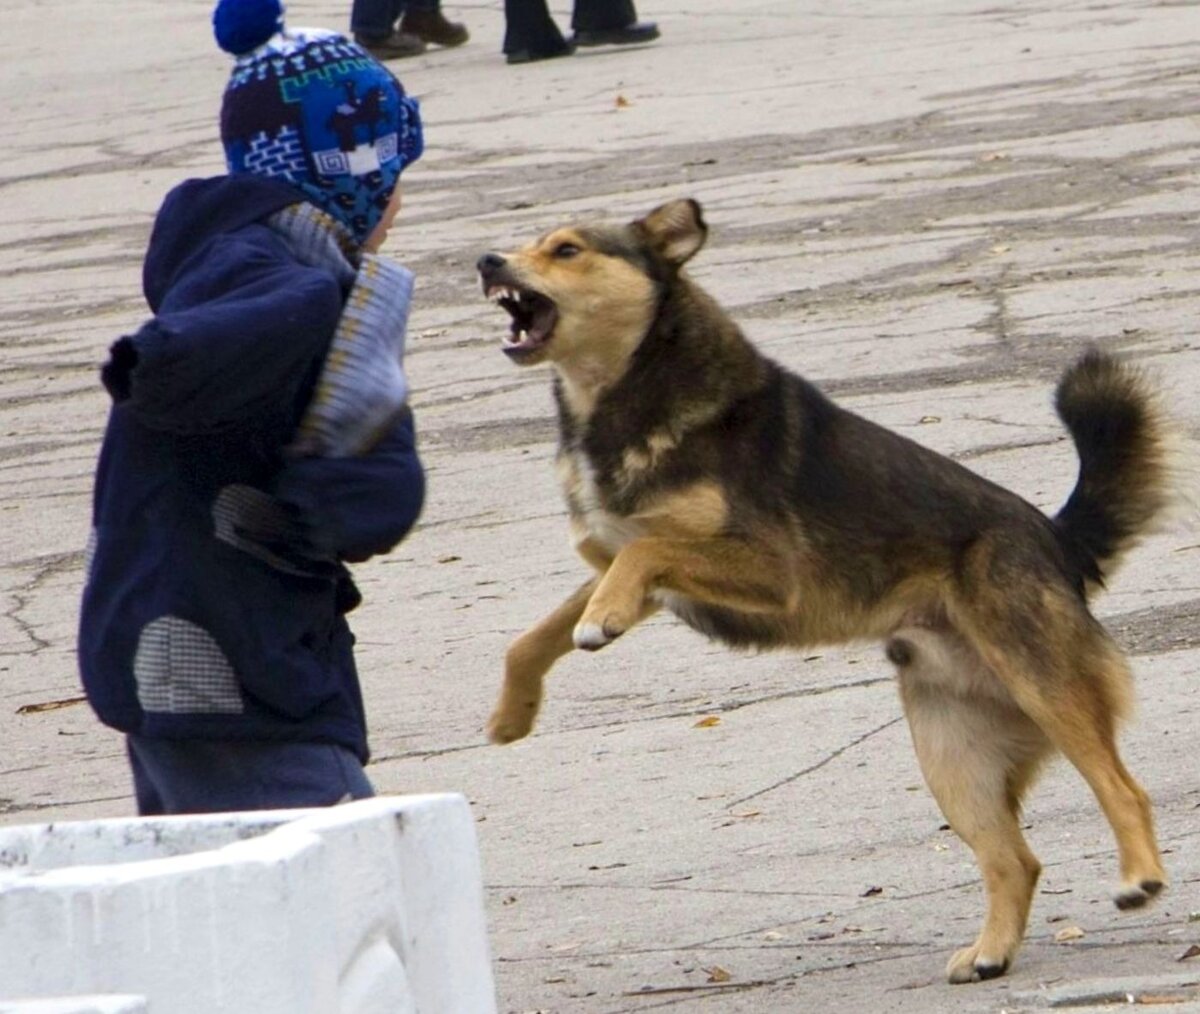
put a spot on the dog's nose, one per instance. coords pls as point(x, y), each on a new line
point(488, 263)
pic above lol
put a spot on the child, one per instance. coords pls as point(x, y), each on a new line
point(259, 439)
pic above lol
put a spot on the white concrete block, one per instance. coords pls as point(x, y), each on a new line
point(77, 1005)
point(371, 907)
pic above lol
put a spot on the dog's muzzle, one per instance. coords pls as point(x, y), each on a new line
point(533, 315)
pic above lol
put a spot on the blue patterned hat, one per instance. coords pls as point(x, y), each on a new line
point(313, 108)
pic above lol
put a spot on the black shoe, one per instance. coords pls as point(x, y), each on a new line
point(392, 47)
point(639, 31)
point(529, 56)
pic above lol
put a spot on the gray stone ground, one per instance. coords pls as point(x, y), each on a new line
point(927, 208)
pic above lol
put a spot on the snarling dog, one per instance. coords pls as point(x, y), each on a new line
point(702, 477)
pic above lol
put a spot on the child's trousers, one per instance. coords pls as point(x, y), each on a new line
point(212, 776)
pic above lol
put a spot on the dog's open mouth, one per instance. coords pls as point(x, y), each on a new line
point(533, 318)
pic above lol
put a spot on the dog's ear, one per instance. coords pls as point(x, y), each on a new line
point(676, 230)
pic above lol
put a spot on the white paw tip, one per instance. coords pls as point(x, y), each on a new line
point(590, 636)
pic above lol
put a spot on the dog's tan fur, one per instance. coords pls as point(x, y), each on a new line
point(704, 478)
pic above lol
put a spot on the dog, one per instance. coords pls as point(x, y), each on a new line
point(702, 477)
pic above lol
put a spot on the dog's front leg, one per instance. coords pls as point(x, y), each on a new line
point(528, 660)
point(723, 572)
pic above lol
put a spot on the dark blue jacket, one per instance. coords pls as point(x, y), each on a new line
point(216, 592)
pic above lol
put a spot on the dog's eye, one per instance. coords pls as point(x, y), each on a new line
point(566, 250)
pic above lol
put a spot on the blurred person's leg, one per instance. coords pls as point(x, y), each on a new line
point(609, 23)
point(425, 20)
point(530, 33)
point(373, 25)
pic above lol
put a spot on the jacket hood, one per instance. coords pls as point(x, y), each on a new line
point(199, 209)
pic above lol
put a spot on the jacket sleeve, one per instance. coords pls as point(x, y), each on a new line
point(357, 507)
point(239, 333)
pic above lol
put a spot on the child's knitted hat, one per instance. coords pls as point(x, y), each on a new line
point(310, 107)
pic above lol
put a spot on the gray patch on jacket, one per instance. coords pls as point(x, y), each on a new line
point(251, 520)
point(180, 669)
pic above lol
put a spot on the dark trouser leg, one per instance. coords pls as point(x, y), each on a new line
point(374, 19)
point(594, 15)
point(528, 26)
point(213, 776)
point(149, 802)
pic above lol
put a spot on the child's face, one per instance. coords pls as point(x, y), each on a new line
point(379, 233)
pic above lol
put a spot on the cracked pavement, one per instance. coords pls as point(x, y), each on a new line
point(927, 209)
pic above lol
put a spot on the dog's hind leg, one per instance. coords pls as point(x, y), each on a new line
point(1074, 716)
point(1064, 671)
point(978, 753)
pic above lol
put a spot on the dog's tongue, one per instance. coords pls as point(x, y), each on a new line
point(544, 318)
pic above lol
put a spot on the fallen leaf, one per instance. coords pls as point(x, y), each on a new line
point(622, 102)
point(449, 559)
point(925, 420)
point(707, 723)
point(1151, 999)
point(33, 709)
point(1191, 952)
point(1067, 934)
point(747, 813)
point(718, 974)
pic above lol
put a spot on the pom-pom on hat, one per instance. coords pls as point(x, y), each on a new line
point(313, 108)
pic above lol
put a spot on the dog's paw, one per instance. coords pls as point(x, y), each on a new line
point(969, 965)
point(1131, 896)
point(506, 727)
point(594, 636)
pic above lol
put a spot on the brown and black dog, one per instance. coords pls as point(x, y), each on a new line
point(702, 477)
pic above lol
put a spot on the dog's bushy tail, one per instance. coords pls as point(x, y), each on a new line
point(1127, 461)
